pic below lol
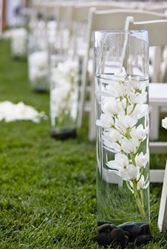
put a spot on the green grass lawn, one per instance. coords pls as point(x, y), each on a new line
point(47, 187)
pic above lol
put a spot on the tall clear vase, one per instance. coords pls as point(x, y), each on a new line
point(64, 95)
point(38, 67)
point(122, 120)
point(19, 43)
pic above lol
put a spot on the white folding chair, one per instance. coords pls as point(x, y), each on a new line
point(162, 218)
point(158, 92)
point(105, 20)
point(157, 40)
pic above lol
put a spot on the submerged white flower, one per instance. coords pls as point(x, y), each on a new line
point(19, 42)
point(67, 67)
point(38, 65)
point(112, 106)
point(123, 168)
point(113, 135)
point(138, 98)
point(64, 79)
point(123, 122)
point(105, 121)
point(129, 145)
point(164, 123)
point(141, 160)
point(137, 86)
point(140, 111)
point(116, 89)
point(140, 133)
point(111, 146)
point(142, 183)
point(111, 140)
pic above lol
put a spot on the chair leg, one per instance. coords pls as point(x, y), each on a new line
point(92, 119)
point(162, 218)
point(154, 124)
point(82, 93)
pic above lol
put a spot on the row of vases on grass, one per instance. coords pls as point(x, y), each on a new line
point(51, 67)
point(122, 119)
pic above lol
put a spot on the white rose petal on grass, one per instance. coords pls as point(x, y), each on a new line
point(12, 112)
point(105, 121)
point(122, 168)
point(164, 123)
point(141, 160)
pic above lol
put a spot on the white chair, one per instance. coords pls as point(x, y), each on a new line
point(158, 92)
point(105, 20)
point(157, 40)
point(162, 218)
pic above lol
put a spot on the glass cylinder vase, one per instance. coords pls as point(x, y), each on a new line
point(64, 95)
point(122, 120)
point(38, 57)
point(19, 43)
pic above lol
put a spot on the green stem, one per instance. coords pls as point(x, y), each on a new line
point(139, 199)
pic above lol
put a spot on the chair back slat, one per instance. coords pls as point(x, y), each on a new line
point(115, 19)
point(157, 30)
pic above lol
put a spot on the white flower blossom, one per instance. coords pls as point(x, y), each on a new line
point(129, 145)
point(141, 110)
point(116, 89)
point(105, 121)
point(19, 42)
point(64, 92)
point(113, 135)
point(142, 183)
point(123, 104)
point(113, 107)
point(164, 123)
point(138, 86)
point(123, 122)
point(140, 133)
point(123, 168)
point(38, 65)
point(141, 160)
point(111, 146)
point(110, 140)
point(138, 98)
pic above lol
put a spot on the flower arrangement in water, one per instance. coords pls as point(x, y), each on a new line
point(124, 123)
point(64, 94)
point(38, 68)
point(19, 42)
point(164, 123)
